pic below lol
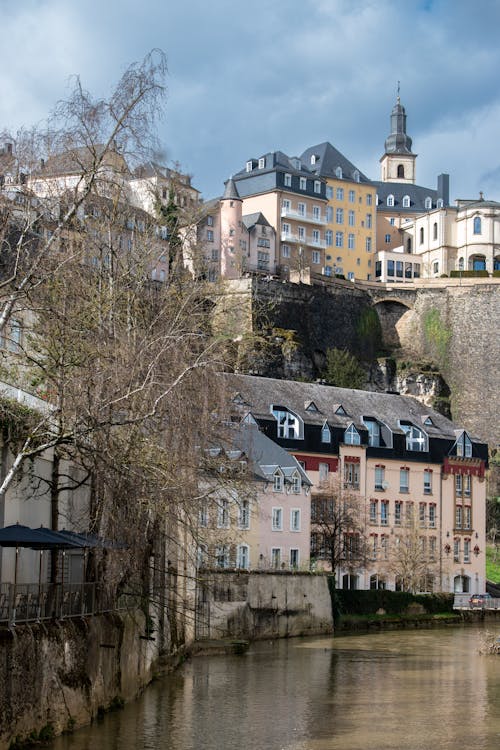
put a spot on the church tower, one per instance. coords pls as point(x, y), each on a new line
point(398, 162)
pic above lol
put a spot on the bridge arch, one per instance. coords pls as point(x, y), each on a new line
point(398, 322)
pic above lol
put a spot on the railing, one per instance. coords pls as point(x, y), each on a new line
point(32, 602)
point(306, 216)
point(461, 601)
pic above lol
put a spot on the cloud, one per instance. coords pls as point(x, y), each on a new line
point(279, 74)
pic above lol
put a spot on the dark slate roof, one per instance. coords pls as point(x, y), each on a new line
point(250, 220)
point(259, 393)
point(476, 203)
point(266, 456)
point(271, 176)
point(417, 194)
point(328, 159)
point(231, 191)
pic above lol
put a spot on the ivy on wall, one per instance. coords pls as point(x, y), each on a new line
point(437, 334)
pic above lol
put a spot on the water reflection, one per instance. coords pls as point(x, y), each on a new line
point(388, 691)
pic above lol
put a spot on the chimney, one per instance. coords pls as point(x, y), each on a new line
point(443, 188)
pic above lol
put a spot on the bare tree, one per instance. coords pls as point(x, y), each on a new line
point(410, 558)
point(338, 535)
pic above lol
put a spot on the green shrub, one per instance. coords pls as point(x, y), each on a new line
point(349, 602)
point(480, 274)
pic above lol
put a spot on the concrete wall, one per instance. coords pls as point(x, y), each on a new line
point(64, 673)
point(265, 605)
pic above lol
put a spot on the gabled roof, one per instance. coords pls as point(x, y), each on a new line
point(250, 220)
point(328, 159)
point(266, 456)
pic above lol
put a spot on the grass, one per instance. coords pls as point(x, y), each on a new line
point(492, 565)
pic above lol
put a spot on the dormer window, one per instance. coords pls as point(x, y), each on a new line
point(302, 183)
point(440, 203)
point(416, 439)
point(249, 166)
point(463, 446)
point(428, 422)
point(262, 163)
point(341, 411)
point(317, 186)
point(338, 173)
point(373, 428)
point(278, 481)
point(314, 159)
point(287, 181)
point(326, 435)
point(355, 175)
point(390, 201)
point(296, 483)
point(290, 426)
point(406, 201)
point(352, 436)
point(311, 406)
point(428, 203)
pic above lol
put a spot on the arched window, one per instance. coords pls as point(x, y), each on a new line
point(351, 436)
point(390, 200)
point(461, 584)
point(338, 173)
point(401, 171)
point(355, 175)
point(440, 203)
point(461, 264)
point(408, 245)
point(428, 203)
point(477, 225)
point(406, 201)
point(421, 235)
point(435, 231)
point(290, 426)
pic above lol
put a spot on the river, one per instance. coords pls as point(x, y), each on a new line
point(399, 690)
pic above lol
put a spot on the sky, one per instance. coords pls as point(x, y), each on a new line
point(246, 78)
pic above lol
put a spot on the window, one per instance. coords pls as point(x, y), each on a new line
point(368, 244)
point(373, 511)
point(214, 254)
point(432, 547)
point(243, 556)
point(325, 433)
point(456, 550)
point(458, 517)
point(401, 171)
point(278, 481)
point(324, 470)
point(387, 238)
point(378, 268)
point(296, 484)
point(352, 436)
point(223, 513)
point(339, 215)
point(287, 180)
point(352, 196)
point(390, 201)
point(249, 166)
point(415, 438)
point(289, 425)
point(477, 225)
point(276, 557)
point(432, 516)
point(351, 218)
point(406, 201)
point(427, 482)
point(380, 478)
point(464, 446)
point(338, 173)
point(285, 251)
point(277, 519)
point(222, 556)
point(302, 183)
point(339, 239)
point(369, 199)
point(14, 337)
point(435, 231)
point(285, 205)
point(390, 268)
point(329, 192)
point(351, 474)
point(435, 267)
point(467, 485)
point(428, 203)
point(317, 186)
point(458, 484)
point(294, 559)
point(384, 513)
point(301, 234)
point(315, 238)
point(350, 242)
point(340, 194)
point(203, 515)
point(316, 213)
point(467, 517)
point(244, 514)
point(262, 163)
point(404, 480)
point(210, 235)
point(398, 508)
point(421, 513)
point(356, 175)
point(373, 428)
point(210, 221)
point(329, 238)
point(421, 235)
point(466, 550)
point(329, 214)
point(368, 221)
point(295, 519)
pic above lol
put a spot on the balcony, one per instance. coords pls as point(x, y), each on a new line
point(308, 241)
point(308, 216)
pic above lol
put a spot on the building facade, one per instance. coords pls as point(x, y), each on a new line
point(418, 479)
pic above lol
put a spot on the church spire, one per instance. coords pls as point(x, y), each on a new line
point(398, 142)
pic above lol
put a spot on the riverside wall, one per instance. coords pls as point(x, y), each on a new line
point(259, 605)
point(60, 675)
